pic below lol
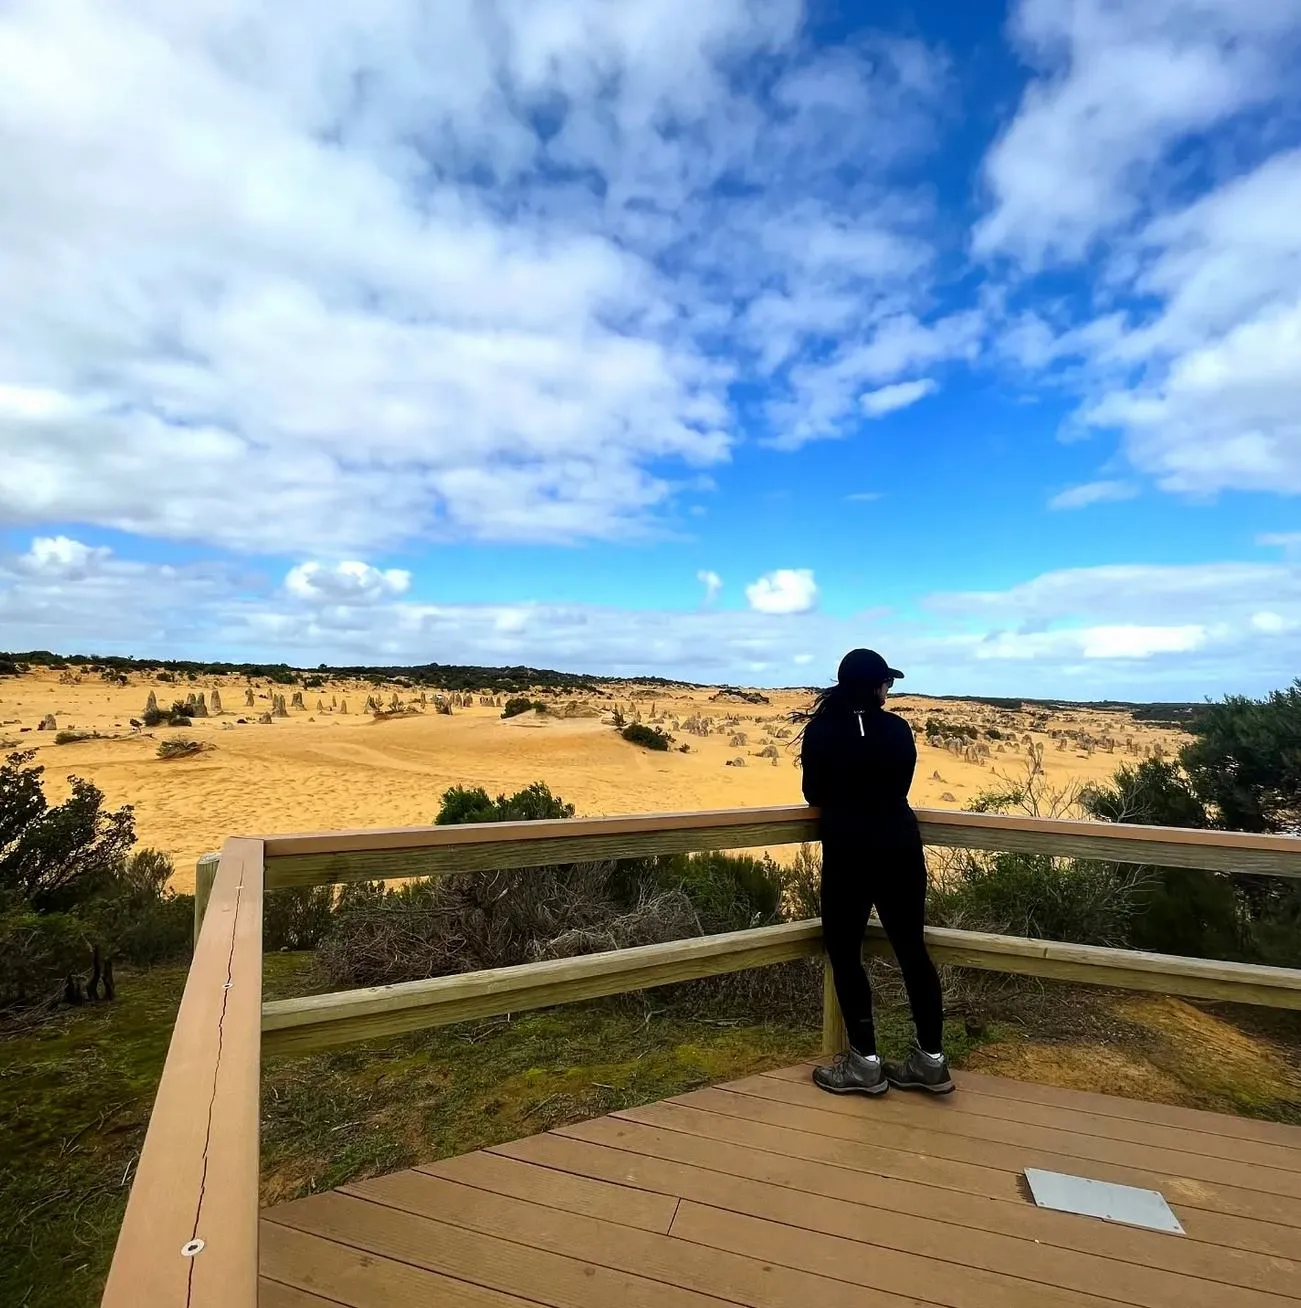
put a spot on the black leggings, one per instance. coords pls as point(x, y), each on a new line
point(855, 878)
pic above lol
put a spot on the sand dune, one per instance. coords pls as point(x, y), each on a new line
point(320, 771)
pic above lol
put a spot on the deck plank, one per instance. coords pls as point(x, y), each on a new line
point(1137, 1110)
point(1188, 1138)
point(1179, 1185)
point(910, 1114)
point(569, 1192)
point(489, 1261)
point(765, 1193)
point(996, 1235)
point(273, 1294)
point(998, 1179)
point(857, 1264)
point(661, 1259)
point(302, 1263)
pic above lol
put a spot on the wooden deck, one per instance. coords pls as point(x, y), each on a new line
point(768, 1192)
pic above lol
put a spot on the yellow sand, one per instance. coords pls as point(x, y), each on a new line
point(323, 771)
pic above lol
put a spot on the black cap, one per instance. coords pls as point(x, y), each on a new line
point(865, 667)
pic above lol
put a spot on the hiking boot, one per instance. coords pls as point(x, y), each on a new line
point(852, 1073)
point(920, 1071)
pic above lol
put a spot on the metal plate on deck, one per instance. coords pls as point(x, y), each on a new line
point(1113, 1203)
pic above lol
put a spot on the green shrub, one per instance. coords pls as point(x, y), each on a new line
point(167, 676)
point(730, 892)
point(142, 919)
point(1039, 897)
point(179, 748)
point(8, 668)
point(531, 804)
point(101, 905)
point(649, 737)
point(53, 858)
point(518, 704)
point(297, 918)
point(178, 720)
point(1184, 911)
point(72, 737)
point(37, 952)
point(456, 923)
point(802, 882)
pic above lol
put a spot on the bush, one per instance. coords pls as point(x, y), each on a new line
point(730, 892)
point(1245, 762)
point(142, 920)
point(531, 804)
point(179, 748)
point(178, 720)
point(72, 737)
point(314, 682)
point(1182, 910)
point(54, 858)
point(155, 716)
point(939, 727)
point(520, 704)
point(803, 880)
point(297, 918)
point(72, 896)
point(649, 737)
point(8, 668)
point(1039, 897)
point(167, 676)
point(476, 920)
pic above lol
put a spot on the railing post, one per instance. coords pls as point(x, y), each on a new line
point(834, 1035)
point(205, 873)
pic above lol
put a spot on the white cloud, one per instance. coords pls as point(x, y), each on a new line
point(876, 404)
point(825, 395)
point(1093, 492)
point(1119, 84)
point(1288, 541)
point(58, 556)
point(349, 581)
point(712, 583)
point(1157, 139)
point(1134, 632)
point(787, 590)
point(864, 497)
point(1272, 623)
point(458, 271)
point(1107, 642)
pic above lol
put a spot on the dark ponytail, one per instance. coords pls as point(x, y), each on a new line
point(832, 700)
point(829, 700)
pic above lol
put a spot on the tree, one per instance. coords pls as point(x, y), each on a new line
point(1245, 764)
point(1246, 760)
point(53, 858)
point(72, 893)
point(1180, 910)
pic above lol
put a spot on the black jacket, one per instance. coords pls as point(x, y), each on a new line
point(858, 766)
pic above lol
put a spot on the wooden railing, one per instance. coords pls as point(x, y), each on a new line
point(190, 1232)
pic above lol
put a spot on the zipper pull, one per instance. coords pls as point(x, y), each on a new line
point(858, 713)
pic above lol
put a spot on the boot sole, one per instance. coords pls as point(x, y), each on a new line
point(943, 1088)
point(854, 1089)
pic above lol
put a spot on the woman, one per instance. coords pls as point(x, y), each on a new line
point(858, 763)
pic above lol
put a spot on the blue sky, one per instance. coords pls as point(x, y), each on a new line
point(659, 337)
